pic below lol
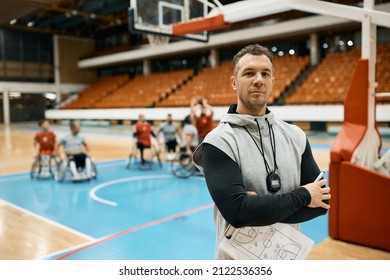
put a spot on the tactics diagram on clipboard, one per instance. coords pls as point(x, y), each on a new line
point(275, 242)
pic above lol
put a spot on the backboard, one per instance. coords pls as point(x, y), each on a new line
point(157, 16)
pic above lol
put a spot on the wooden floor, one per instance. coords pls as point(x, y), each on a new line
point(24, 235)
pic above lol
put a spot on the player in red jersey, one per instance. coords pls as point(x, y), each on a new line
point(45, 140)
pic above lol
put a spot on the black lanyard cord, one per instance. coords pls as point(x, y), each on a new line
point(261, 149)
point(273, 143)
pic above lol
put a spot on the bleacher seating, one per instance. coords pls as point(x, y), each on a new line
point(214, 83)
point(145, 91)
point(121, 92)
point(330, 80)
point(328, 83)
point(287, 69)
point(101, 88)
point(383, 72)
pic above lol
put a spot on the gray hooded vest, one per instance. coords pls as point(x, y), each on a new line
point(231, 137)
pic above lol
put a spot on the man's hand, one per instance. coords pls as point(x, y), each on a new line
point(318, 194)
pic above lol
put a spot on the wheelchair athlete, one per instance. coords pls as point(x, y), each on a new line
point(45, 151)
point(170, 132)
point(183, 166)
point(73, 151)
point(143, 133)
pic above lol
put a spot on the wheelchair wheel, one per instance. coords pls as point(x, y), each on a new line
point(129, 161)
point(158, 159)
point(41, 167)
point(183, 166)
point(134, 162)
point(93, 171)
point(62, 168)
point(35, 169)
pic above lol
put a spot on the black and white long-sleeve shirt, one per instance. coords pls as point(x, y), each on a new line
point(232, 162)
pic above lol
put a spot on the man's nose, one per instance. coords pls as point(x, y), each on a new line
point(258, 79)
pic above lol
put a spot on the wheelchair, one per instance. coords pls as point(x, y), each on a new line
point(42, 167)
point(183, 166)
point(76, 168)
point(151, 154)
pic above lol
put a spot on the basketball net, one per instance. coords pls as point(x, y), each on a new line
point(157, 40)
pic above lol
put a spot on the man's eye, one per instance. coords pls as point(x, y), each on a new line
point(265, 74)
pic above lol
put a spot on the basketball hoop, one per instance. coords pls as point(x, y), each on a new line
point(157, 17)
point(156, 40)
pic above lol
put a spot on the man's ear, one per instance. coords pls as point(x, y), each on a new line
point(233, 82)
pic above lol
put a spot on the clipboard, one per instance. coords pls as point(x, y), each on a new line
point(275, 242)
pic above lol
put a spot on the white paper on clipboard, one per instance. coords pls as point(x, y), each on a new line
point(275, 242)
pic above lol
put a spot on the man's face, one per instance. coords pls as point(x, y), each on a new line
point(75, 129)
point(253, 83)
point(45, 126)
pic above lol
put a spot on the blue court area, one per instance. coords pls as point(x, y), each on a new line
point(129, 213)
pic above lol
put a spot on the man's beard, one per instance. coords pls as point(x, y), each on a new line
point(252, 105)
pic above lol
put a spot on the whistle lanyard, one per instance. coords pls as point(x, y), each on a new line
point(261, 149)
point(273, 179)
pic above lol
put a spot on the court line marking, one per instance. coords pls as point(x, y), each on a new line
point(179, 193)
point(85, 131)
point(117, 162)
point(136, 228)
point(92, 192)
point(10, 176)
point(15, 178)
point(63, 251)
point(47, 220)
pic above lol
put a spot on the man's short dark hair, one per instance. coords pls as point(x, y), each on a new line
point(73, 123)
point(40, 122)
point(187, 120)
point(254, 49)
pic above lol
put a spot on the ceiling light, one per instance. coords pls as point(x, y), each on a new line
point(50, 95)
point(15, 94)
point(13, 21)
point(30, 24)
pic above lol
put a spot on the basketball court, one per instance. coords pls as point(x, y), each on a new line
point(137, 214)
point(123, 213)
